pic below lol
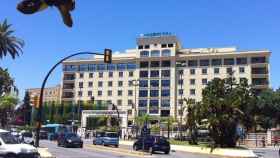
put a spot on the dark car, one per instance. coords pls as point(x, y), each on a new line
point(69, 140)
point(152, 144)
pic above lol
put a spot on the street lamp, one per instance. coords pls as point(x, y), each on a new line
point(135, 83)
point(180, 72)
point(39, 114)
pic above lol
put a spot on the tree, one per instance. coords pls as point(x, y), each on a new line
point(6, 81)
point(9, 44)
point(223, 106)
point(27, 109)
point(169, 121)
point(7, 104)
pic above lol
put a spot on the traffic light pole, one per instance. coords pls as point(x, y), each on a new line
point(39, 113)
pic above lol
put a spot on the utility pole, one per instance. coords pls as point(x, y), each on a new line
point(135, 83)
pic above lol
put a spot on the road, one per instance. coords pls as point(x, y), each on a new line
point(269, 152)
point(93, 152)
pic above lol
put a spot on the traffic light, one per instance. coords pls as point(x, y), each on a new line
point(108, 56)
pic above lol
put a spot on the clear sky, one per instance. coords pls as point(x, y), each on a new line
point(99, 24)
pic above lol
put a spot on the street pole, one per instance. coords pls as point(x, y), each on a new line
point(135, 84)
point(39, 114)
point(181, 102)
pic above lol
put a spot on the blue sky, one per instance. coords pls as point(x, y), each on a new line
point(115, 24)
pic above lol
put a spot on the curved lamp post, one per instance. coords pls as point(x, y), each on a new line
point(39, 114)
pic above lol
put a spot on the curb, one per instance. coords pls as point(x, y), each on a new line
point(44, 153)
point(224, 153)
point(119, 150)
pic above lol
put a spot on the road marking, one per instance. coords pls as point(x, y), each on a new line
point(117, 150)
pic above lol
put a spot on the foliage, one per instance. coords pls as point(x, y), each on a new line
point(9, 44)
point(27, 109)
point(7, 104)
point(6, 82)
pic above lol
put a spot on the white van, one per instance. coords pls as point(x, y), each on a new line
point(10, 147)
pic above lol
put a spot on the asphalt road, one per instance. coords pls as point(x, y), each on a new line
point(269, 152)
point(91, 152)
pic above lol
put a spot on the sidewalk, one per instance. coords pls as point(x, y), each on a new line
point(234, 153)
point(44, 153)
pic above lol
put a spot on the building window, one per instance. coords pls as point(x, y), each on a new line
point(165, 83)
point(100, 84)
point(80, 93)
point(119, 102)
point(109, 93)
point(154, 64)
point(143, 93)
point(143, 103)
point(83, 67)
point(81, 75)
point(130, 83)
point(216, 70)
point(147, 46)
point(111, 67)
point(192, 91)
point(242, 80)
point(165, 93)
point(192, 63)
point(154, 73)
point(216, 62)
point(120, 74)
point(229, 70)
point(89, 93)
point(144, 54)
point(192, 81)
point(110, 84)
point(81, 84)
point(165, 63)
point(111, 74)
point(180, 101)
point(154, 93)
point(192, 71)
point(181, 92)
point(101, 67)
point(144, 64)
point(204, 81)
point(121, 66)
point(119, 92)
point(163, 45)
point(204, 62)
point(90, 75)
point(131, 66)
point(155, 53)
point(144, 74)
point(129, 102)
point(180, 81)
point(90, 84)
point(120, 83)
point(165, 103)
point(165, 73)
point(170, 45)
point(91, 67)
point(241, 61)
point(166, 53)
point(140, 47)
point(154, 83)
point(165, 113)
point(154, 103)
point(143, 83)
point(130, 92)
point(99, 93)
point(100, 74)
point(204, 71)
point(241, 70)
point(130, 73)
point(229, 61)
point(255, 60)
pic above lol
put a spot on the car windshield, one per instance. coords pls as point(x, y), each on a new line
point(27, 134)
point(71, 135)
point(111, 135)
point(8, 138)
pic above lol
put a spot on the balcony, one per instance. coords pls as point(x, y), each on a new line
point(69, 77)
point(260, 83)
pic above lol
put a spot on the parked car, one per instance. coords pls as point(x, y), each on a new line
point(106, 139)
point(69, 140)
point(152, 144)
point(10, 147)
point(27, 137)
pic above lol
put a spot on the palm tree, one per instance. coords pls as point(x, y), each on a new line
point(9, 44)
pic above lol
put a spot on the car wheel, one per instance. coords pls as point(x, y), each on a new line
point(151, 150)
point(10, 156)
point(135, 148)
point(116, 146)
point(81, 146)
point(167, 152)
